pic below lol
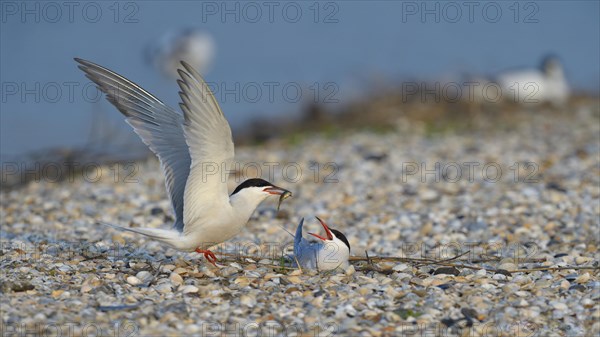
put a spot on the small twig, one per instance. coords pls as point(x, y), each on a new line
point(456, 257)
point(155, 274)
point(521, 260)
point(254, 258)
point(431, 261)
point(240, 256)
point(553, 268)
point(451, 262)
point(372, 267)
point(446, 260)
point(276, 266)
point(375, 269)
point(390, 259)
point(520, 270)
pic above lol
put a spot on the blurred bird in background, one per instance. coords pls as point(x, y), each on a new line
point(525, 86)
point(547, 84)
point(192, 45)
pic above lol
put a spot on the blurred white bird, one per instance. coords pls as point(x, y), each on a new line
point(331, 252)
point(195, 151)
point(193, 46)
point(534, 86)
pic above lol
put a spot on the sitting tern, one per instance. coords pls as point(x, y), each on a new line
point(205, 214)
point(330, 253)
point(546, 84)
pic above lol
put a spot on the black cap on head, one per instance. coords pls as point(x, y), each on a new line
point(254, 182)
point(340, 236)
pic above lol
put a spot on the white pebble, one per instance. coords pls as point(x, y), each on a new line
point(134, 281)
point(189, 289)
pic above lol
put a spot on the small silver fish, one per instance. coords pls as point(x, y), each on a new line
point(282, 197)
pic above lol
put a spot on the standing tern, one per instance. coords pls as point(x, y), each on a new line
point(205, 214)
point(331, 252)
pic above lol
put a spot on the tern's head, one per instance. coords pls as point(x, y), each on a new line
point(332, 236)
point(258, 190)
point(552, 67)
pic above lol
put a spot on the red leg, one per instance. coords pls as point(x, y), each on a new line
point(210, 256)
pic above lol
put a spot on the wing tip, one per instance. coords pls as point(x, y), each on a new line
point(181, 72)
point(187, 66)
point(190, 72)
point(185, 78)
point(298, 235)
point(83, 62)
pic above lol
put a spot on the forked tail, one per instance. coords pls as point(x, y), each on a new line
point(169, 236)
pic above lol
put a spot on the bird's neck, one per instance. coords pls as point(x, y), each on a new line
point(555, 73)
point(243, 205)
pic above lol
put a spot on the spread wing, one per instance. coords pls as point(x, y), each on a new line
point(305, 252)
point(159, 126)
point(298, 239)
point(208, 136)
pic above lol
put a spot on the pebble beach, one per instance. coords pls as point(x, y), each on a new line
point(492, 233)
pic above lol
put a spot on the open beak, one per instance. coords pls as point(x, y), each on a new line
point(329, 234)
point(281, 192)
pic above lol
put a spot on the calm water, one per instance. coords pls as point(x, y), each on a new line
point(267, 51)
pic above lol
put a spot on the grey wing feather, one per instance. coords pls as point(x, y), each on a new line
point(300, 243)
point(298, 237)
point(305, 251)
point(159, 126)
point(210, 142)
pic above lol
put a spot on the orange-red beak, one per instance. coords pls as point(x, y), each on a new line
point(281, 192)
point(277, 191)
point(329, 234)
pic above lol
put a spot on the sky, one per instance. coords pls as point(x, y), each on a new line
point(290, 53)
